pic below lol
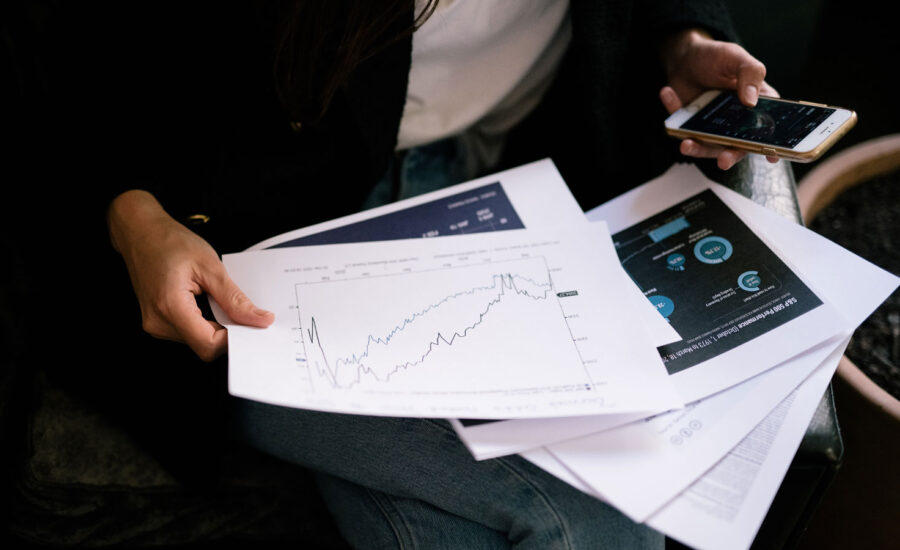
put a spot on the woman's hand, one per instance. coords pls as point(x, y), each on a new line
point(170, 266)
point(694, 63)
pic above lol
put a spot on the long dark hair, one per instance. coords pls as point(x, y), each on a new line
point(321, 42)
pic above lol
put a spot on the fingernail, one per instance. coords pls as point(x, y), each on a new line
point(261, 312)
point(751, 93)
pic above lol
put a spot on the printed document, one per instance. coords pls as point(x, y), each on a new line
point(736, 515)
point(493, 323)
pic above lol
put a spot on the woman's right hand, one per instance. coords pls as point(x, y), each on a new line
point(170, 266)
point(695, 62)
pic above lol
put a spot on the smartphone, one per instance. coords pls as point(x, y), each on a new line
point(797, 130)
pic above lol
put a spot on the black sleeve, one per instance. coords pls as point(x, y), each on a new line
point(187, 110)
point(606, 119)
point(662, 16)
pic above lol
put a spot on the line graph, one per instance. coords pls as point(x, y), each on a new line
point(489, 320)
point(506, 324)
point(502, 287)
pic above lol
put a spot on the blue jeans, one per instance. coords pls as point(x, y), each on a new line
point(420, 170)
point(410, 482)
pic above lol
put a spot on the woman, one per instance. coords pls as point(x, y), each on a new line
point(354, 112)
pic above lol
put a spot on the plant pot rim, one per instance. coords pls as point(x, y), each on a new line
point(852, 166)
point(819, 188)
point(872, 392)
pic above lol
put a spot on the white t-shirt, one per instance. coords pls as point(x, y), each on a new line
point(479, 67)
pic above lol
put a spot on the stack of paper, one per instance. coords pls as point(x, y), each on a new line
point(664, 353)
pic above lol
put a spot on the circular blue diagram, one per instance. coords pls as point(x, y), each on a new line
point(713, 250)
point(749, 281)
point(675, 262)
point(665, 306)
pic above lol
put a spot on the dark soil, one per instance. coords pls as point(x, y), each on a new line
point(865, 220)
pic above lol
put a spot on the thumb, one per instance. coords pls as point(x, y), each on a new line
point(751, 75)
point(670, 99)
point(233, 301)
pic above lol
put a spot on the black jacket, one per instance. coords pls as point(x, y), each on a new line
point(197, 121)
point(180, 100)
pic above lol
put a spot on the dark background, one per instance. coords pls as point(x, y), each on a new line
point(838, 52)
point(842, 53)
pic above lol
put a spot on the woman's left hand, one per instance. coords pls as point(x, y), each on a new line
point(694, 63)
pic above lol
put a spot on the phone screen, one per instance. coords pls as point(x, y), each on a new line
point(778, 123)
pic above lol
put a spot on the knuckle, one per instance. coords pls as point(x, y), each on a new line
point(734, 50)
point(755, 67)
point(206, 351)
point(759, 67)
point(206, 355)
point(160, 307)
point(237, 301)
point(214, 270)
point(152, 326)
point(237, 297)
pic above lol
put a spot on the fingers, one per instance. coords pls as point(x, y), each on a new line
point(180, 320)
point(751, 74)
point(691, 148)
point(233, 301)
point(170, 266)
point(670, 99)
point(706, 63)
point(207, 339)
point(728, 158)
point(725, 158)
point(768, 90)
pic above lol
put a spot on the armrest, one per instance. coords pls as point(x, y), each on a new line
point(822, 449)
point(771, 185)
point(774, 186)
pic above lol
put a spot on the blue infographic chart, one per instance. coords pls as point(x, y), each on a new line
point(711, 277)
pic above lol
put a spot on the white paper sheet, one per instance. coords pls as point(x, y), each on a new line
point(810, 252)
point(536, 191)
point(724, 508)
point(826, 264)
point(505, 437)
point(762, 352)
point(525, 323)
point(641, 466)
point(539, 197)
